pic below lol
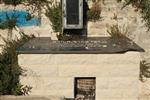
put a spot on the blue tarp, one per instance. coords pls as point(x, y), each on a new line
point(20, 16)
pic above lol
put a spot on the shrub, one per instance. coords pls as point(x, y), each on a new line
point(144, 70)
point(10, 24)
point(119, 1)
point(54, 13)
point(9, 68)
point(116, 32)
point(36, 7)
point(115, 17)
point(64, 37)
point(143, 6)
point(95, 12)
point(13, 2)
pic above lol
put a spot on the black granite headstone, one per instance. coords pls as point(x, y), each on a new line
point(72, 7)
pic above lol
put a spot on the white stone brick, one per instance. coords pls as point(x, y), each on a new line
point(116, 74)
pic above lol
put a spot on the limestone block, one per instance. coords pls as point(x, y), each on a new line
point(118, 83)
point(31, 97)
point(41, 70)
point(50, 85)
point(41, 59)
point(117, 94)
point(54, 74)
point(102, 70)
point(64, 93)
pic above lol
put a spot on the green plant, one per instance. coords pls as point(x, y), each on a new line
point(144, 70)
point(64, 37)
point(115, 17)
point(143, 6)
point(13, 2)
point(36, 6)
point(10, 24)
point(9, 68)
point(116, 32)
point(17, 89)
point(29, 17)
point(54, 13)
point(95, 12)
point(119, 0)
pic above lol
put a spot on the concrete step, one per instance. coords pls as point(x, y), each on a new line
point(31, 98)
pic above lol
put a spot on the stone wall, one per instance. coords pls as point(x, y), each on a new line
point(53, 74)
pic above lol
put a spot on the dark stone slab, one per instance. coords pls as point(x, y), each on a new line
point(72, 11)
point(99, 45)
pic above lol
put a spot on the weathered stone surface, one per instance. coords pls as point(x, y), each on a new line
point(92, 45)
point(54, 74)
point(31, 98)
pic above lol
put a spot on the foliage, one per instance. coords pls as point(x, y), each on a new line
point(119, 0)
point(144, 7)
point(13, 2)
point(9, 68)
point(36, 6)
point(95, 12)
point(64, 37)
point(54, 13)
point(115, 17)
point(144, 70)
point(9, 23)
point(29, 17)
point(116, 32)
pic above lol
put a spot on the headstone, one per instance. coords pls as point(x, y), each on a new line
point(72, 14)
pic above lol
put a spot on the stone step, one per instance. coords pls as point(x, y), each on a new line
point(31, 98)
